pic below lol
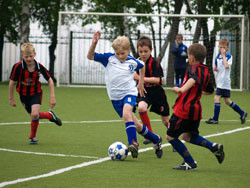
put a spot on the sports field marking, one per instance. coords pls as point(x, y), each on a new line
point(49, 154)
point(60, 171)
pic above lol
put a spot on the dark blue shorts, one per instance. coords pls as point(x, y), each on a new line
point(119, 104)
point(223, 92)
point(28, 101)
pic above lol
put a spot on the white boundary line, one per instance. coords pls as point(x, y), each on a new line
point(62, 170)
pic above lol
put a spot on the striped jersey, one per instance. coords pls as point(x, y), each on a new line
point(28, 83)
point(119, 76)
point(188, 105)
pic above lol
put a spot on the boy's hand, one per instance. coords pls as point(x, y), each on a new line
point(96, 37)
point(141, 89)
point(176, 90)
point(223, 51)
point(52, 102)
point(215, 68)
point(12, 102)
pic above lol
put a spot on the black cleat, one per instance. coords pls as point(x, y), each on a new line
point(158, 149)
point(218, 152)
point(133, 148)
point(55, 119)
point(186, 166)
point(243, 118)
point(212, 121)
point(145, 142)
point(33, 140)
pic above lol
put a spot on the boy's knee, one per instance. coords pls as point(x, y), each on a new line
point(34, 115)
point(169, 138)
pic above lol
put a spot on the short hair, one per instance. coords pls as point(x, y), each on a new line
point(145, 41)
point(224, 41)
point(199, 52)
point(179, 36)
point(27, 48)
point(121, 42)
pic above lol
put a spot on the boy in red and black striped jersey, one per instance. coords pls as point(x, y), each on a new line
point(25, 74)
point(154, 93)
point(188, 112)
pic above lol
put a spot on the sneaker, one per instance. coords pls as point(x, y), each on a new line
point(186, 166)
point(133, 148)
point(145, 142)
point(55, 119)
point(158, 149)
point(243, 118)
point(219, 152)
point(33, 140)
point(212, 121)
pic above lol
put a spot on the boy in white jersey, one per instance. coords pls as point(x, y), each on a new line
point(223, 63)
point(121, 88)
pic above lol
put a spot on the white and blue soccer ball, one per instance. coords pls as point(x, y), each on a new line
point(118, 151)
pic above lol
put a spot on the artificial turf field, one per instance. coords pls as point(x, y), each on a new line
point(75, 155)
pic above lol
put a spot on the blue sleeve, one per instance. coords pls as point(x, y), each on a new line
point(174, 50)
point(102, 58)
point(139, 65)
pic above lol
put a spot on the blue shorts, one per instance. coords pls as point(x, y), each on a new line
point(119, 104)
point(223, 92)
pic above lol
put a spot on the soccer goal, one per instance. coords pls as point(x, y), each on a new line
point(75, 31)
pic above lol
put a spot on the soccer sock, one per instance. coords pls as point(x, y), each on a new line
point(200, 141)
point(45, 115)
point(146, 133)
point(177, 82)
point(34, 125)
point(145, 120)
point(216, 111)
point(131, 132)
point(182, 150)
point(236, 108)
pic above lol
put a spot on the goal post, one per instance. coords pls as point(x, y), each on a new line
point(89, 73)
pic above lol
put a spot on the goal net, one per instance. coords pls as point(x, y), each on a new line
point(76, 29)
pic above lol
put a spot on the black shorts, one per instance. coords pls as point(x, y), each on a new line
point(28, 101)
point(177, 126)
point(223, 92)
point(157, 99)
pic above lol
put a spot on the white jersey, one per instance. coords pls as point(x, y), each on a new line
point(223, 80)
point(119, 76)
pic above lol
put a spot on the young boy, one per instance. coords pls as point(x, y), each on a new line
point(187, 110)
point(155, 95)
point(26, 74)
point(122, 91)
point(180, 52)
point(223, 63)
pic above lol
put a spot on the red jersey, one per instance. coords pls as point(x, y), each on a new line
point(28, 82)
point(187, 105)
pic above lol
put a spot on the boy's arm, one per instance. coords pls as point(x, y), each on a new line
point(11, 93)
point(140, 85)
point(151, 80)
point(185, 87)
point(52, 93)
point(91, 52)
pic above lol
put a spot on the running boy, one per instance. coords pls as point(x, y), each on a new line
point(188, 112)
point(26, 74)
point(223, 63)
point(155, 95)
point(121, 88)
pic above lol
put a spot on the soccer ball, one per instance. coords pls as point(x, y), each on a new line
point(118, 151)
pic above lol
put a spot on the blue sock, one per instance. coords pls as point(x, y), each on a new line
point(149, 135)
point(131, 132)
point(177, 82)
point(216, 111)
point(236, 108)
point(200, 141)
point(182, 150)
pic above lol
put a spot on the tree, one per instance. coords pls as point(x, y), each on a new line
point(25, 22)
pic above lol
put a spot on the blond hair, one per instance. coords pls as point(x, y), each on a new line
point(224, 41)
point(121, 42)
point(27, 48)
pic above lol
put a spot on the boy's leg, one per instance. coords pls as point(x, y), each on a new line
point(34, 123)
point(237, 109)
point(215, 118)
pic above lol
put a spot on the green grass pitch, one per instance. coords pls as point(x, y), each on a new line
point(75, 155)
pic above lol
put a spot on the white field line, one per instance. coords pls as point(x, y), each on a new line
point(49, 154)
point(100, 121)
point(60, 171)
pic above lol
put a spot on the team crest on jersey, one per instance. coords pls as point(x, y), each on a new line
point(129, 99)
point(131, 68)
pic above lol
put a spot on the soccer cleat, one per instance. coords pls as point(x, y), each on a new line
point(55, 119)
point(218, 152)
point(33, 140)
point(158, 149)
point(212, 121)
point(186, 166)
point(133, 148)
point(243, 118)
point(145, 142)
